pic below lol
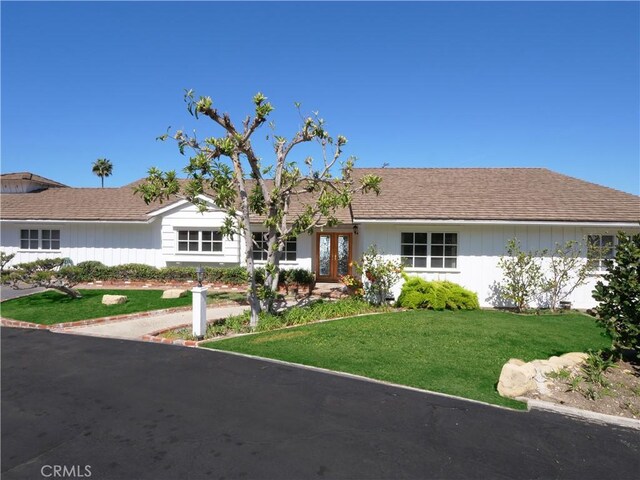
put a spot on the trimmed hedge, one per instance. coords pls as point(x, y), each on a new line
point(436, 295)
point(91, 271)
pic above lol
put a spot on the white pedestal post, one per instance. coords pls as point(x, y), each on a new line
point(199, 319)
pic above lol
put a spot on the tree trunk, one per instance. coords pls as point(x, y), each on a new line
point(272, 276)
point(72, 292)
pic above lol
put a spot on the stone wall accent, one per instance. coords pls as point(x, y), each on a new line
point(519, 378)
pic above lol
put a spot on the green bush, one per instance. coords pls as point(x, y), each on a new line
point(91, 271)
point(133, 271)
point(618, 296)
point(436, 295)
point(300, 276)
point(177, 274)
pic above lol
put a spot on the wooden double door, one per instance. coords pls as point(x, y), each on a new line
point(333, 255)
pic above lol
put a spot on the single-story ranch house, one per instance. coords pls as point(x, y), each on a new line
point(444, 223)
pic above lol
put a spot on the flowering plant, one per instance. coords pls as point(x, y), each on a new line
point(353, 284)
point(379, 275)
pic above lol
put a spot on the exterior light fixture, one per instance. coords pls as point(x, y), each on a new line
point(200, 275)
point(355, 229)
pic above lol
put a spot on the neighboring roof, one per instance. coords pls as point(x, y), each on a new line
point(516, 194)
point(93, 204)
point(31, 177)
point(507, 194)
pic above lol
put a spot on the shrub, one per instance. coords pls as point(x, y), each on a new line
point(379, 275)
point(91, 270)
point(231, 275)
point(47, 273)
point(300, 276)
point(436, 295)
point(176, 274)
point(619, 296)
point(523, 277)
point(133, 271)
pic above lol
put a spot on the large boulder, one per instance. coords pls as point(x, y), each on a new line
point(516, 378)
point(114, 299)
point(174, 293)
point(519, 378)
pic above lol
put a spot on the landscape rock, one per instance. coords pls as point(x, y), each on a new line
point(174, 293)
point(114, 299)
point(516, 378)
point(575, 357)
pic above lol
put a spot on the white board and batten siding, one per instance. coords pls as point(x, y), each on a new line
point(187, 217)
point(479, 250)
point(109, 243)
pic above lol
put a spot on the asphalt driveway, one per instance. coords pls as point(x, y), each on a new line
point(132, 410)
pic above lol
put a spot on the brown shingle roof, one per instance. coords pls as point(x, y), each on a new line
point(32, 177)
point(94, 204)
point(519, 194)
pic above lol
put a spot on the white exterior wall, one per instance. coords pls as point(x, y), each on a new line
point(479, 249)
point(109, 243)
point(187, 217)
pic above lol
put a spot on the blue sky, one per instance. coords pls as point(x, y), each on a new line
point(538, 84)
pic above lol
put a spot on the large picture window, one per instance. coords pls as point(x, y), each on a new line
point(46, 239)
point(260, 248)
point(600, 248)
point(205, 241)
point(429, 250)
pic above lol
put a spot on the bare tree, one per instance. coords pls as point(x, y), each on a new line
point(228, 170)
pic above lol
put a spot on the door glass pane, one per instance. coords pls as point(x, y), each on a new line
point(343, 254)
point(324, 267)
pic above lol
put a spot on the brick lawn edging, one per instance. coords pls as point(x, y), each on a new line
point(8, 322)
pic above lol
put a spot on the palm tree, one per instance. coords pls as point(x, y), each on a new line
point(102, 168)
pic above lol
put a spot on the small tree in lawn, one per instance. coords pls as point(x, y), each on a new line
point(378, 275)
point(567, 270)
point(618, 295)
point(523, 277)
point(47, 273)
point(102, 168)
point(228, 170)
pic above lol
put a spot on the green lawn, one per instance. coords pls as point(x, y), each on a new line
point(460, 353)
point(52, 307)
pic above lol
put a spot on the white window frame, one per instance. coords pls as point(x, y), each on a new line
point(39, 240)
point(286, 253)
point(600, 267)
point(199, 240)
point(429, 257)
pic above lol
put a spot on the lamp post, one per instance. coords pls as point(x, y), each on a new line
point(199, 306)
point(200, 275)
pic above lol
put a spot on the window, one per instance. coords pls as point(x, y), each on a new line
point(444, 250)
point(50, 239)
point(211, 241)
point(206, 241)
point(600, 248)
point(414, 250)
point(40, 239)
point(436, 250)
point(260, 248)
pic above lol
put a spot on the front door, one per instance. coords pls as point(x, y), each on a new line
point(333, 256)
